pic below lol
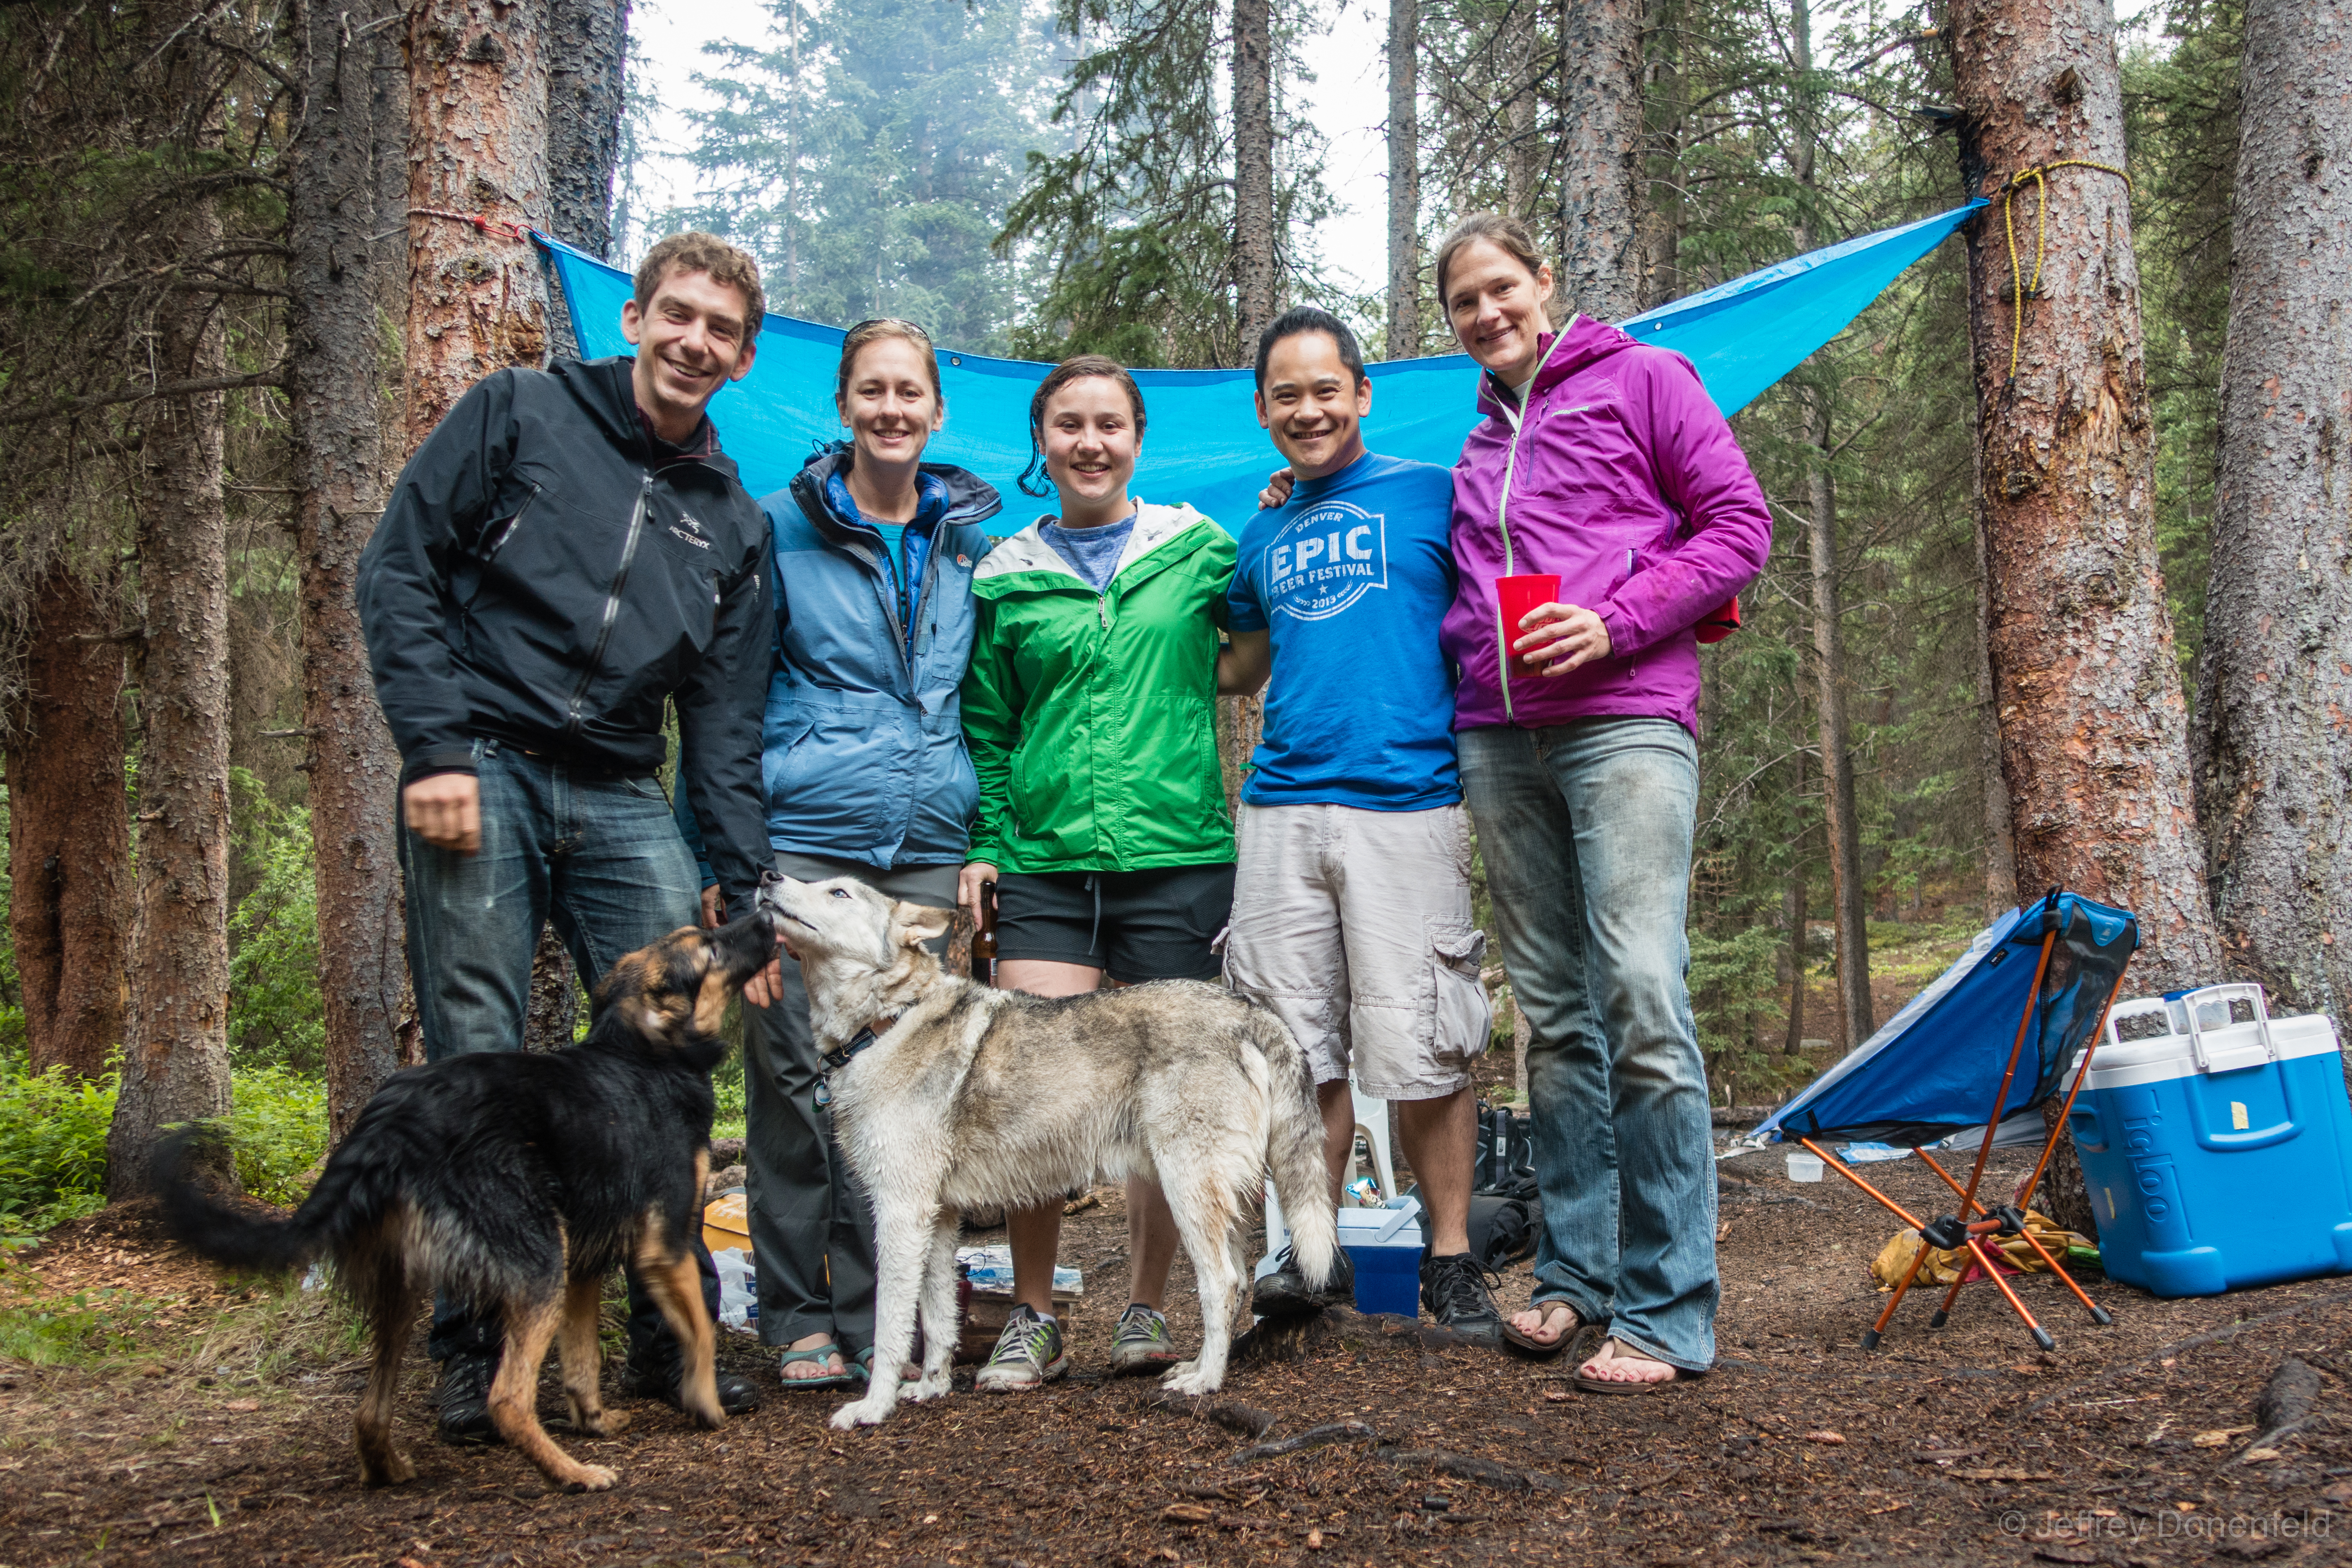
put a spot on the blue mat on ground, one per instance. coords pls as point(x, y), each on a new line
point(1933, 1070)
point(1203, 444)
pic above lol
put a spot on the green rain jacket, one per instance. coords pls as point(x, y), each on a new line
point(1091, 720)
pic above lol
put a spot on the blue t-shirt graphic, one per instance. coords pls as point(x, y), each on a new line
point(1353, 576)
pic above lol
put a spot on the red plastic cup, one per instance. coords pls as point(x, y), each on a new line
point(1519, 596)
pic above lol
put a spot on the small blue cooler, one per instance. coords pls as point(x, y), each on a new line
point(1384, 1244)
point(2218, 1154)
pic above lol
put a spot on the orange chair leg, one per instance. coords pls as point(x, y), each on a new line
point(2017, 1305)
point(1870, 1337)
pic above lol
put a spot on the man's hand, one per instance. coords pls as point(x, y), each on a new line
point(971, 885)
point(1278, 485)
point(714, 908)
point(1559, 637)
point(445, 811)
point(765, 988)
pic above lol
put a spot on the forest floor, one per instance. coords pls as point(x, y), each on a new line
point(154, 1411)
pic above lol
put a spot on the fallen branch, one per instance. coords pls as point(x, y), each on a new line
point(1242, 1420)
point(273, 377)
point(1313, 1438)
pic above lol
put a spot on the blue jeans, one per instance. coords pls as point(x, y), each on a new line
point(1586, 832)
point(598, 856)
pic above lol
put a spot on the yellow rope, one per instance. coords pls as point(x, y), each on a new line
point(2018, 287)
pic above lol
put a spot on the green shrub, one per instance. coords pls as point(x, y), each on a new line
point(52, 1145)
point(278, 1130)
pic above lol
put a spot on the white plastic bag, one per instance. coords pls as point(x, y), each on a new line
point(738, 1290)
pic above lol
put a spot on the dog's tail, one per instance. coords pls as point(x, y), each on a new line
point(1293, 1149)
point(245, 1238)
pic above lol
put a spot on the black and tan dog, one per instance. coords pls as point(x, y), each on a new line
point(522, 1181)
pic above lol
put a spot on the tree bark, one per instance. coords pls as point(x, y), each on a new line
point(2093, 725)
point(1522, 158)
point(1662, 106)
point(69, 829)
point(2001, 843)
point(340, 387)
point(1599, 268)
point(587, 46)
point(1253, 170)
point(552, 1011)
point(477, 145)
point(1404, 180)
point(1794, 908)
point(176, 1030)
point(2274, 674)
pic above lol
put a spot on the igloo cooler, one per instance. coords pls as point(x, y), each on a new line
point(2218, 1154)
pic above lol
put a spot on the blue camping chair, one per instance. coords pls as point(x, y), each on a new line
point(1926, 1076)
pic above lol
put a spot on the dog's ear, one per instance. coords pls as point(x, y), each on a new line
point(913, 924)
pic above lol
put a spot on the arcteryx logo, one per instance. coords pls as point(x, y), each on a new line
point(1325, 559)
point(691, 532)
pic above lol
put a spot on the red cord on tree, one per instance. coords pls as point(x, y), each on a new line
point(498, 226)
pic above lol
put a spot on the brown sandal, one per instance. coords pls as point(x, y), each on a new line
point(1544, 1350)
point(1610, 1385)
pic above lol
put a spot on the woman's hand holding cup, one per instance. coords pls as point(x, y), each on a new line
point(1560, 638)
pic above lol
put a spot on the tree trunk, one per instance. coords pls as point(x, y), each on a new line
point(478, 146)
point(1663, 107)
point(176, 1033)
point(1522, 157)
point(1601, 120)
point(2274, 674)
point(1848, 896)
point(1848, 904)
point(587, 45)
point(552, 1011)
point(2000, 843)
point(2093, 725)
point(339, 383)
point(1253, 170)
point(69, 829)
point(1794, 910)
point(1404, 180)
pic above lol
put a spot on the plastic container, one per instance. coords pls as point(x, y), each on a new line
point(1804, 1166)
point(2218, 1154)
point(1517, 598)
point(1385, 1245)
point(738, 1289)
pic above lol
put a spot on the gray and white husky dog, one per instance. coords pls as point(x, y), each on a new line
point(969, 1097)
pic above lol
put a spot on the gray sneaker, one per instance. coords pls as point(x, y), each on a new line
point(1028, 1354)
point(1142, 1342)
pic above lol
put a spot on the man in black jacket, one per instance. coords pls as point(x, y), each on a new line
point(565, 553)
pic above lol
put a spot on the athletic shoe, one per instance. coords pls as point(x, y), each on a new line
point(1454, 1289)
point(1284, 1293)
point(1028, 1354)
point(1141, 1342)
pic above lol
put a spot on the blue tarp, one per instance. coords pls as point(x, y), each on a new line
point(1203, 444)
point(1934, 1068)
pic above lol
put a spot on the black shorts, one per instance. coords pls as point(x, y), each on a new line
point(1137, 925)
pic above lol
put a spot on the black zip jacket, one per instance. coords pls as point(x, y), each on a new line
point(547, 572)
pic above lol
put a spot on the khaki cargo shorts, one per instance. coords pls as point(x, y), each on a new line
point(1354, 926)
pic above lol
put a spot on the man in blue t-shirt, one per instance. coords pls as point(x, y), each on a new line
point(1351, 912)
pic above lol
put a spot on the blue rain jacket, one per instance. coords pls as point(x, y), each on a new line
point(862, 754)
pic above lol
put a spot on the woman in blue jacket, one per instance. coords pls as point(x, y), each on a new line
point(863, 763)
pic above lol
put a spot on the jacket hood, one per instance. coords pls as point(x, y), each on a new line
point(971, 498)
point(1583, 343)
point(606, 393)
point(1027, 551)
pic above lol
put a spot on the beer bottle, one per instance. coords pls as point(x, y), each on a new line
point(983, 938)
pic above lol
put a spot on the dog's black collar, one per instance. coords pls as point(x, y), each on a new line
point(835, 1060)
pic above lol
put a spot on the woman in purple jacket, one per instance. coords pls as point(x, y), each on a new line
point(1603, 461)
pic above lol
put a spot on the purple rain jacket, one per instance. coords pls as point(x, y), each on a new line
point(1622, 477)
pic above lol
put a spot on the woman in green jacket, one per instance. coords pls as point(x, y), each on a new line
point(1090, 715)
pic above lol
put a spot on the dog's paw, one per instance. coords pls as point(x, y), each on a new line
point(929, 1387)
point(591, 1477)
point(860, 1413)
point(1186, 1378)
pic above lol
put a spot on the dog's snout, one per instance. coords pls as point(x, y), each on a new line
point(772, 877)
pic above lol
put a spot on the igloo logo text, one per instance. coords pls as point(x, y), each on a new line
point(1325, 559)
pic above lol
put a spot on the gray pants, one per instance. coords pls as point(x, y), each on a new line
point(811, 1227)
